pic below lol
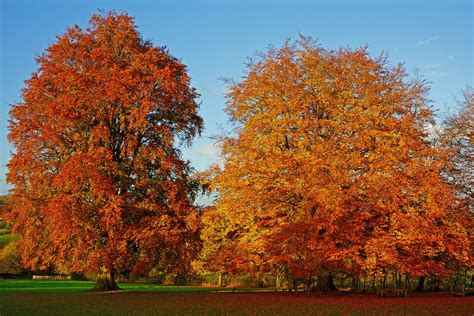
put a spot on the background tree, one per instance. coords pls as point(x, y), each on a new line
point(10, 260)
point(98, 180)
point(330, 170)
point(3, 205)
point(457, 134)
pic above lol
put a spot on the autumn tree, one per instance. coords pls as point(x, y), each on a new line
point(10, 260)
point(328, 170)
point(98, 179)
point(3, 205)
point(457, 134)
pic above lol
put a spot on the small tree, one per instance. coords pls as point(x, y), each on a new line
point(98, 180)
point(10, 259)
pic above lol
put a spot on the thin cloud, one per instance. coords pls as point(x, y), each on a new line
point(202, 155)
point(208, 150)
point(428, 40)
point(439, 74)
point(433, 66)
point(215, 90)
point(205, 155)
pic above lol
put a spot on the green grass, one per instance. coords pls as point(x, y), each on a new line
point(7, 285)
point(44, 286)
point(20, 285)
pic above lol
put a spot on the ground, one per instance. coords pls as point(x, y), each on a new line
point(26, 297)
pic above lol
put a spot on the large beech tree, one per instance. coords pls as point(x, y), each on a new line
point(328, 170)
point(98, 180)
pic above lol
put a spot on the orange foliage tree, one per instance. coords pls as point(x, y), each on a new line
point(98, 180)
point(328, 170)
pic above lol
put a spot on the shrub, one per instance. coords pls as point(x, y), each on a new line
point(10, 259)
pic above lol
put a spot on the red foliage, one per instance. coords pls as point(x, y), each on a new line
point(97, 179)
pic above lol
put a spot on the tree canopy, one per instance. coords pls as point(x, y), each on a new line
point(328, 169)
point(98, 179)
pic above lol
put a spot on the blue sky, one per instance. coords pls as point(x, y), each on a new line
point(214, 39)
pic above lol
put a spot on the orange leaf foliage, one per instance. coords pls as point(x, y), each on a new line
point(329, 170)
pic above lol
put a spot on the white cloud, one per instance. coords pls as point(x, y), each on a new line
point(428, 40)
point(204, 200)
point(208, 150)
point(433, 66)
point(439, 74)
point(202, 155)
point(214, 90)
point(434, 70)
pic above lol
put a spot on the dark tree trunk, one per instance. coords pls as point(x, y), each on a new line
point(326, 283)
point(308, 286)
point(421, 284)
point(295, 286)
point(355, 283)
point(105, 281)
point(436, 285)
point(455, 282)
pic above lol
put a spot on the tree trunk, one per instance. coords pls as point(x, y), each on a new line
point(421, 284)
point(455, 283)
point(355, 283)
point(308, 286)
point(295, 286)
point(277, 280)
point(436, 284)
point(219, 282)
point(105, 281)
point(326, 283)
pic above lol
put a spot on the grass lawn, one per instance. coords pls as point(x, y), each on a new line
point(27, 297)
point(12, 286)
